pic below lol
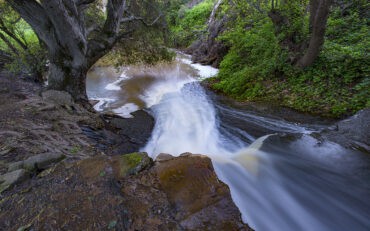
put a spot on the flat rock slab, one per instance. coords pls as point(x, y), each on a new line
point(12, 178)
point(57, 97)
point(37, 162)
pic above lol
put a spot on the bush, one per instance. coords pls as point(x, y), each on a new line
point(190, 24)
point(256, 67)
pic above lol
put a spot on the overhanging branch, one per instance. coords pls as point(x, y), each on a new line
point(142, 20)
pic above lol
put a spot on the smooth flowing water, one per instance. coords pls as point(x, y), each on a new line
point(279, 182)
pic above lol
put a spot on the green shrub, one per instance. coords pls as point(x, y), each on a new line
point(256, 68)
point(190, 24)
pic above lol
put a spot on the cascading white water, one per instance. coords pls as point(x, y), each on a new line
point(286, 185)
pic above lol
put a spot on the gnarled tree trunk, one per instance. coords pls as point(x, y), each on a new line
point(60, 25)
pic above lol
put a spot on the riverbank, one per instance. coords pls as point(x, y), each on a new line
point(303, 95)
point(63, 167)
point(258, 56)
point(350, 132)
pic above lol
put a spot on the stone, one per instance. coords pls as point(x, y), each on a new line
point(40, 161)
point(164, 157)
point(201, 200)
point(15, 166)
point(353, 132)
point(131, 164)
point(125, 192)
point(12, 178)
point(130, 134)
point(61, 98)
point(181, 193)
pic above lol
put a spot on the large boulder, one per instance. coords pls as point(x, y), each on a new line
point(125, 192)
point(126, 135)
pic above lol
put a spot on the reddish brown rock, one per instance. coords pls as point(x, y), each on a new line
point(126, 192)
point(185, 194)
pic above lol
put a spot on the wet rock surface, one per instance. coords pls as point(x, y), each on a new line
point(102, 193)
point(133, 133)
point(353, 132)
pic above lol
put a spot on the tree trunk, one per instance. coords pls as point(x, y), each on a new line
point(61, 26)
point(321, 13)
point(69, 77)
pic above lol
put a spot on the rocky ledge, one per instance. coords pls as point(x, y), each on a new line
point(62, 168)
point(125, 192)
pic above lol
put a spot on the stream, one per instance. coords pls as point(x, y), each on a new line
point(281, 175)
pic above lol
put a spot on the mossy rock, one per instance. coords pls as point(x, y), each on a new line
point(132, 164)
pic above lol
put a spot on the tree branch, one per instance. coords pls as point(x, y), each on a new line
point(8, 43)
point(12, 35)
point(34, 14)
point(92, 28)
point(135, 18)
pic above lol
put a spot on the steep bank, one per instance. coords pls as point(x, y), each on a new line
point(208, 49)
point(62, 167)
point(256, 66)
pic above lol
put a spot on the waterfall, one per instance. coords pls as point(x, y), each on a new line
point(292, 183)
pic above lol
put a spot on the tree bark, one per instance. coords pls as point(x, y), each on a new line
point(70, 79)
point(318, 17)
point(8, 43)
point(61, 27)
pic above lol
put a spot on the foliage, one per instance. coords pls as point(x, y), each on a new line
point(254, 56)
point(146, 44)
point(19, 40)
point(256, 66)
point(145, 48)
point(189, 24)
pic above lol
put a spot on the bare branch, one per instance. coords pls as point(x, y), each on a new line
point(135, 18)
point(92, 28)
point(115, 9)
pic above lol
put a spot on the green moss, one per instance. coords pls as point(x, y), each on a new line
point(133, 163)
point(132, 159)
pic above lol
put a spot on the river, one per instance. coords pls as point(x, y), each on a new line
point(281, 175)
